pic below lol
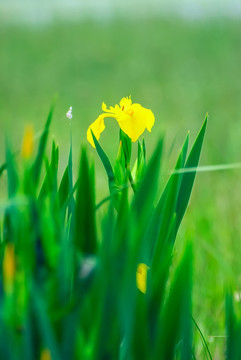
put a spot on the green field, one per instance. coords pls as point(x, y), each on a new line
point(180, 70)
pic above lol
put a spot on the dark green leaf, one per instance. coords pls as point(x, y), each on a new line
point(85, 222)
point(64, 187)
point(43, 323)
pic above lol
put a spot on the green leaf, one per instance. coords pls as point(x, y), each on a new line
point(45, 328)
point(49, 185)
point(146, 192)
point(12, 173)
point(140, 163)
point(105, 160)
point(126, 146)
point(28, 343)
point(113, 187)
point(7, 339)
point(188, 177)
point(85, 222)
point(42, 146)
point(69, 333)
point(120, 166)
point(166, 209)
point(233, 330)
point(71, 206)
point(175, 321)
point(144, 149)
point(64, 188)
point(204, 342)
point(159, 279)
point(49, 235)
point(140, 342)
point(2, 168)
point(70, 196)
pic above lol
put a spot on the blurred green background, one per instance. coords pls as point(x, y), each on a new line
point(181, 69)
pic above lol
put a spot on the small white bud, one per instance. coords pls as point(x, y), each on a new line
point(69, 113)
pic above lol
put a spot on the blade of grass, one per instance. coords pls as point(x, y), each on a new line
point(2, 168)
point(188, 178)
point(208, 354)
point(85, 223)
point(113, 187)
point(105, 160)
point(166, 208)
point(175, 314)
point(64, 188)
point(71, 206)
point(42, 145)
point(13, 180)
point(49, 185)
point(146, 192)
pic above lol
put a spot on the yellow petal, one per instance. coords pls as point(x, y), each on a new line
point(125, 103)
point(131, 124)
point(141, 277)
point(104, 107)
point(112, 110)
point(97, 127)
point(146, 115)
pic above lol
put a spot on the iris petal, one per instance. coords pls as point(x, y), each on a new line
point(125, 103)
point(132, 125)
point(146, 115)
point(97, 127)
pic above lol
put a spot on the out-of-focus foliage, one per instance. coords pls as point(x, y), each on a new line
point(86, 280)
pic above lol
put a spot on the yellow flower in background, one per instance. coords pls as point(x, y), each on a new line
point(9, 265)
point(27, 144)
point(141, 277)
point(45, 354)
point(133, 119)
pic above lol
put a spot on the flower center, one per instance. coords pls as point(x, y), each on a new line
point(127, 110)
point(130, 112)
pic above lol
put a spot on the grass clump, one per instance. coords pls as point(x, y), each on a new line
point(81, 280)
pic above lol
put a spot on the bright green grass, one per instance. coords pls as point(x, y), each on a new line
point(179, 70)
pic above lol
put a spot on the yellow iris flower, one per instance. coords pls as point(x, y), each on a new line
point(133, 119)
